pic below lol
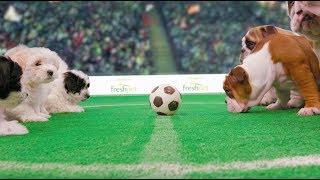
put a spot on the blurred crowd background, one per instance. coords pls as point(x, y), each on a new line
point(122, 38)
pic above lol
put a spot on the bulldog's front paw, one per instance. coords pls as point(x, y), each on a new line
point(295, 103)
point(12, 128)
point(267, 99)
point(308, 111)
point(276, 106)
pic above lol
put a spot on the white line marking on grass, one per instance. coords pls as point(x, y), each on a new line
point(163, 169)
point(163, 145)
point(125, 105)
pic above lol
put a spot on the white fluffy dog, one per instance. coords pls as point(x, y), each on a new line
point(70, 88)
point(39, 67)
point(11, 95)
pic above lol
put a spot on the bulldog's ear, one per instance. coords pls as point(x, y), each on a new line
point(239, 74)
point(289, 6)
point(268, 30)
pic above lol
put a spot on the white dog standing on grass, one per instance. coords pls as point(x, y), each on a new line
point(39, 67)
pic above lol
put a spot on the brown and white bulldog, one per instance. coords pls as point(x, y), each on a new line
point(255, 35)
point(249, 41)
point(282, 61)
point(305, 19)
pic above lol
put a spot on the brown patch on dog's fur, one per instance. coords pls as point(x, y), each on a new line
point(237, 86)
point(258, 33)
point(299, 61)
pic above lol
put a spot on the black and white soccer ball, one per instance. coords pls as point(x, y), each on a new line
point(165, 99)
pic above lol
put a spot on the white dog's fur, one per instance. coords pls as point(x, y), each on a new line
point(60, 100)
point(11, 127)
point(36, 64)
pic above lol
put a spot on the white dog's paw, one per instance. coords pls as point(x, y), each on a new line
point(47, 116)
point(295, 103)
point(77, 109)
point(308, 111)
point(12, 128)
point(276, 106)
point(44, 111)
point(33, 118)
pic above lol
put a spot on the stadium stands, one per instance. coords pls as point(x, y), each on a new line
point(101, 38)
point(206, 36)
point(110, 38)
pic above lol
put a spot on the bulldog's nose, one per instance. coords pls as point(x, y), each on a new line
point(50, 73)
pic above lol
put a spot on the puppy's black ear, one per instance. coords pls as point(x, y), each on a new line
point(15, 76)
point(73, 83)
point(4, 76)
point(268, 30)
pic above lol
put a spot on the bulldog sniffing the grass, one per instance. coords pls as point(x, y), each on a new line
point(284, 62)
point(249, 41)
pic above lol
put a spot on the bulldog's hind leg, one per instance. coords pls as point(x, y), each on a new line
point(308, 89)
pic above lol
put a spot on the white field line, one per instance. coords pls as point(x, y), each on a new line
point(126, 105)
point(163, 169)
point(163, 145)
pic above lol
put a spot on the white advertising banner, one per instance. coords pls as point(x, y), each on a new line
point(140, 84)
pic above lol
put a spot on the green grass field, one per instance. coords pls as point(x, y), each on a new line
point(121, 137)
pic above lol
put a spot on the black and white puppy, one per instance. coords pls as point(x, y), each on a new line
point(11, 95)
point(68, 91)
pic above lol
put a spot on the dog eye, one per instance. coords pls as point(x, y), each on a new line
point(88, 85)
point(229, 93)
point(38, 63)
point(250, 44)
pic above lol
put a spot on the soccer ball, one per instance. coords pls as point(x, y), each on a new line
point(165, 99)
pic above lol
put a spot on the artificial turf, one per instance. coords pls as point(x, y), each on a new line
point(123, 130)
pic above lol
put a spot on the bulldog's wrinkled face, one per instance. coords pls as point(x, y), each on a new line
point(254, 36)
point(238, 90)
point(305, 18)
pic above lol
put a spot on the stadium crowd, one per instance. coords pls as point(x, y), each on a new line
point(111, 38)
point(96, 37)
point(206, 36)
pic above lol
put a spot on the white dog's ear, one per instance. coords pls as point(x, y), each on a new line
point(10, 75)
point(73, 83)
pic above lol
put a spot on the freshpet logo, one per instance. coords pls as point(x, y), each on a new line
point(195, 87)
point(123, 88)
